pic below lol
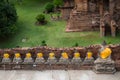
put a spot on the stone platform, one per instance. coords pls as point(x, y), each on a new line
point(104, 66)
point(56, 75)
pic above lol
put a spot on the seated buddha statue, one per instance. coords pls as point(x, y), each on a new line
point(40, 59)
point(17, 58)
point(6, 58)
point(89, 59)
point(104, 63)
point(76, 59)
point(28, 58)
point(64, 59)
point(51, 59)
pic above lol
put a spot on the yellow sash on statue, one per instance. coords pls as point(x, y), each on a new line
point(105, 53)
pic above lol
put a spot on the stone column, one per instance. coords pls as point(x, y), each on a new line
point(102, 28)
point(113, 28)
point(101, 7)
point(111, 6)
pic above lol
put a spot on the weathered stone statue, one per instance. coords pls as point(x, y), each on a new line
point(51, 59)
point(40, 59)
point(89, 60)
point(64, 59)
point(28, 58)
point(76, 59)
point(104, 63)
point(17, 58)
point(6, 58)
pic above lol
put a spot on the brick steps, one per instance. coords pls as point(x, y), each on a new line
point(79, 22)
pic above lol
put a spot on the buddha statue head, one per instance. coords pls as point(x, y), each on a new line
point(105, 53)
point(51, 55)
point(6, 55)
point(65, 55)
point(28, 55)
point(17, 55)
point(89, 54)
point(76, 55)
point(39, 55)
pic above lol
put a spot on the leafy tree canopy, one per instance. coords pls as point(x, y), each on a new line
point(8, 18)
point(58, 3)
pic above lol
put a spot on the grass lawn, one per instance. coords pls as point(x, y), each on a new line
point(53, 33)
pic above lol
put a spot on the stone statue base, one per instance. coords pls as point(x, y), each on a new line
point(6, 60)
point(76, 61)
point(63, 61)
point(51, 61)
point(17, 60)
point(106, 66)
point(39, 60)
point(88, 62)
point(28, 60)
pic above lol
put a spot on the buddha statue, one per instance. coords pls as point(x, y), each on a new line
point(64, 59)
point(28, 58)
point(17, 58)
point(104, 63)
point(6, 58)
point(40, 59)
point(106, 53)
point(51, 59)
point(89, 59)
point(76, 59)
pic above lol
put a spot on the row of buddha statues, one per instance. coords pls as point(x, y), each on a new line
point(51, 59)
point(103, 64)
point(64, 59)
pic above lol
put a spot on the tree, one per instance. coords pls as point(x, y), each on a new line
point(8, 18)
point(58, 3)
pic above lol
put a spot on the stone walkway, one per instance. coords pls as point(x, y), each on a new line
point(57, 75)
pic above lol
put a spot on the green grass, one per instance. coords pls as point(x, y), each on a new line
point(53, 33)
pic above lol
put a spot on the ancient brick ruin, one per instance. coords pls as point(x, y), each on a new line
point(90, 15)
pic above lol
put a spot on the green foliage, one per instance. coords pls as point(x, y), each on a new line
point(53, 33)
point(49, 7)
point(76, 45)
point(41, 18)
point(8, 18)
point(58, 3)
point(43, 43)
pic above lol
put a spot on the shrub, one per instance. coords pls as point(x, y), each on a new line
point(49, 7)
point(8, 18)
point(58, 3)
point(43, 43)
point(76, 45)
point(41, 19)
